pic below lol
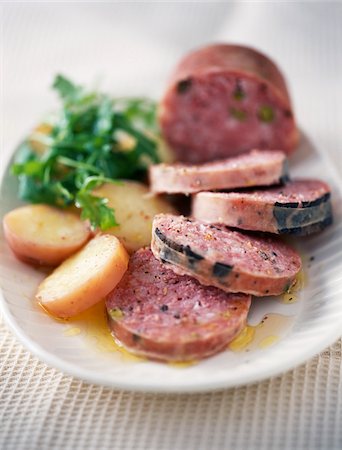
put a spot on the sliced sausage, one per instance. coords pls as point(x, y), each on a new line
point(256, 168)
point(218, 256)
point(301, 207)
point(156, 313)
point(223, 100)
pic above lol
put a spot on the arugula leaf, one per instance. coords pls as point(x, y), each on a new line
point(52, 193)
point(85, 148)
point(104, 117)
point(141, 112)
point(96, 210)
point(30, 168)
point(66, 88)
point(93, 207)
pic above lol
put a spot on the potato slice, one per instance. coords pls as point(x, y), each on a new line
point(135, 208)
point(43, 234)
point(85, 278)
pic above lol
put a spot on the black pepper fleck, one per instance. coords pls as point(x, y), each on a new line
point(264, 255)
point(183, 86)
point(136, 337)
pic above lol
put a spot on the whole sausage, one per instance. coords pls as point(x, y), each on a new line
point(223, 100)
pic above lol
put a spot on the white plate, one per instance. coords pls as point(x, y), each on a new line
point(292, 333)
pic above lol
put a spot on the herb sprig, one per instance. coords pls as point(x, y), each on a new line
point(95, 139)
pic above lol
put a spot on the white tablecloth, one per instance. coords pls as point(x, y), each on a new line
point(129, 48)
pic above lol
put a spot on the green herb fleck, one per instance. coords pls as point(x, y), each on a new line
point(239, 93)
point(266, 114)
point(116, 313)
point(238, 114)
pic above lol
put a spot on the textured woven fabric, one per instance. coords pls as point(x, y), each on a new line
point(132, 46)
point(40, 408)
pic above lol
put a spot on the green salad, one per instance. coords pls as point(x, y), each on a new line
point(93, 139)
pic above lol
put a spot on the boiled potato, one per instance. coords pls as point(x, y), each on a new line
point(134, 208)
point(43, 234)
point(85, 278)
point(39, 139)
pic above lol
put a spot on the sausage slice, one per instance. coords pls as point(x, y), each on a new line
point(223, 100)
point(156, 313)
point(301, 207)
point(256, 168)
point(218, 256)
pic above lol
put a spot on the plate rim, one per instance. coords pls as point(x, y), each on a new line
point(88, 376)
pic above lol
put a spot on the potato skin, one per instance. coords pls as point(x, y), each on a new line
point(85, 278)
point(135, 206)
point(44, 235)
